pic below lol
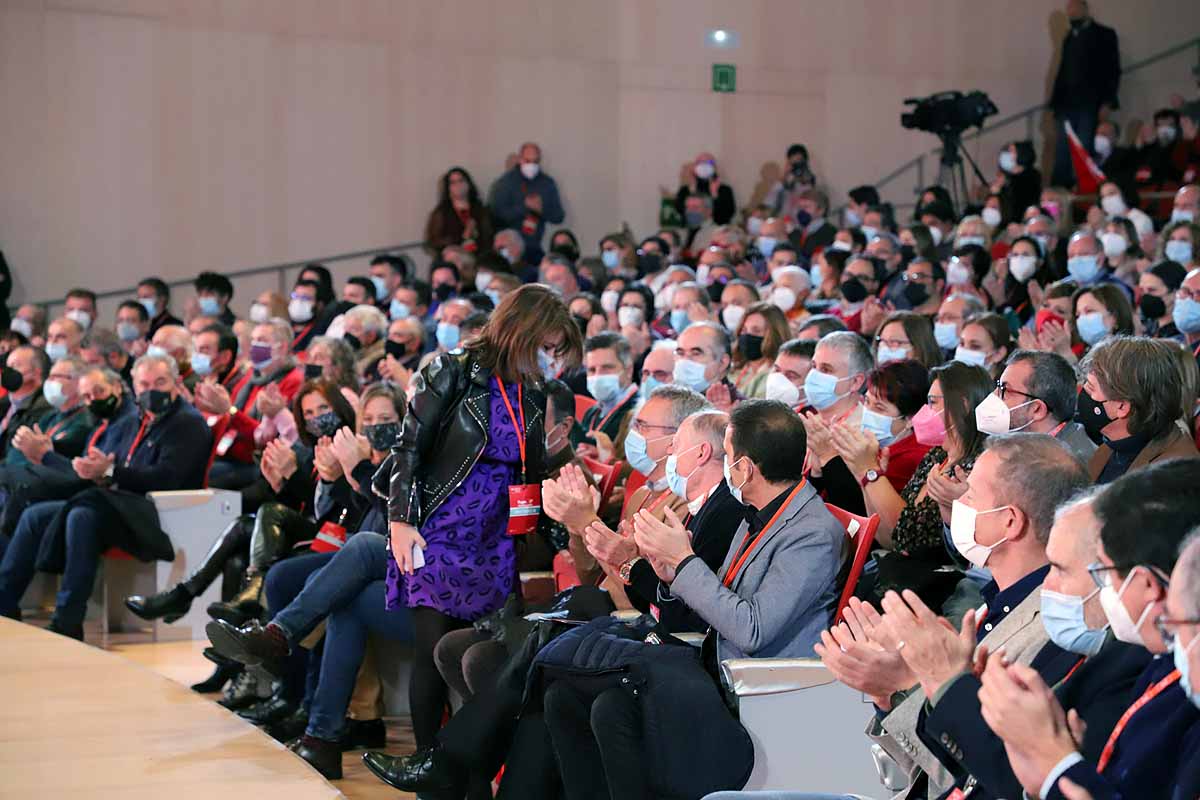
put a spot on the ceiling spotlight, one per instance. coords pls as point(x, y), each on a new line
point(722, 38)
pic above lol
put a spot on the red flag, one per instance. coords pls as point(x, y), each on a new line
point(1088, 175)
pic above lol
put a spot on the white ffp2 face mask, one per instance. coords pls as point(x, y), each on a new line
point(962, 531)
point(1119, 619)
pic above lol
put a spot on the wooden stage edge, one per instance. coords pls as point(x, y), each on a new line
point(80, 722)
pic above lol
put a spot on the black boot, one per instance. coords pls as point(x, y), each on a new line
point(241, 692)
point(70, 631)
point(252, 644)
point(273, 709)
point(221, 675)
point(325, 757)
point(245, 606)
point(426, 770)
point(167, 606)
point(363, 734)
point(290, 727)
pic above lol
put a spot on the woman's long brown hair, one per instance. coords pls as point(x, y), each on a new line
point(508, 345)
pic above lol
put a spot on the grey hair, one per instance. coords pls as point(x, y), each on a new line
point(684, 402)
point(723, 343)
point(514, 236)
point(800, 273)
point(855, 348)
point(701, 294)
point(149, 360)
point(78, 365)
point(341, 357)
point(1084, 233)
point(973, 304)
point(711, 423)
point(1040, 475)
point(110, 376)
point(372, 319)
point(1188, 570)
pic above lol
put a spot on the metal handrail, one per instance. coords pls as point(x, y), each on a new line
point(281, 269)
point(1027, 114)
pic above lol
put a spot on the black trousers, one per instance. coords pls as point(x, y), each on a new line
point(596, 730)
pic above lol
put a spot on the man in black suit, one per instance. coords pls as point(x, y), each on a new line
point(1088, 76)
point(1156, 742)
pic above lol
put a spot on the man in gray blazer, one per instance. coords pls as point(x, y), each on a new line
point(777, 589)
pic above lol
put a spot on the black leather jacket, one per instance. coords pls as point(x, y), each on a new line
point(445, 432)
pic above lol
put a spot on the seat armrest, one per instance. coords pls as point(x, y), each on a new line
point(694, 639)
point(190, 498)
point(750, 677)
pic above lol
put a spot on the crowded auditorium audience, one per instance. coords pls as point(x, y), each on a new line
point(947, 456)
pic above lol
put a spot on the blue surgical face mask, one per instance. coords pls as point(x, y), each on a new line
point(128, 332)
point(1180, 654)
point(1062, 614)
point(201, 364)
point(974, 358)
point(869, 232)
point(54, 394)
point(1179, 251)
point(814, 275)
point(611, 258)
point(886, 355)
point(604, 388)
point(736, 491)
point(1092, 327)
point(150, 304)
point(675, 482)
point(878, 424)
point(766, 245)
point(679, 319)
point(547, 365)
point(209, 306)
point(691, 374)
point(946, 335)
point(56, 350)
point(398, 310)
point(1187, 315)
point(821, 389)
point(964, 241)
point(635, 453)
point(1084, 269)
point(649, 384)
point(447, 335)
point(380, 287)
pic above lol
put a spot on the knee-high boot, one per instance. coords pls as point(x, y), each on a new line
point(276, 528)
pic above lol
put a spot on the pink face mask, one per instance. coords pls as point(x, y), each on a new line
point(929, 426)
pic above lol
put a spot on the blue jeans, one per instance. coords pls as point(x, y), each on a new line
point(362, 560)
point(1084, 122)
point(285, 581)
point(83, 559)
point(345, 642)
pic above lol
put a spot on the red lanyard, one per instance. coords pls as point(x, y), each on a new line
point(137, 439)
point(512, 415)
point(302, 334)
point(56, 426)
point(629, 391)
point(748, 548)
point(96, 434)
point(1151, 693)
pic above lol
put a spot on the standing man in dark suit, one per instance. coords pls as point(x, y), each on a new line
point(1088, 76)
point(525, 199)
point(1157, 739)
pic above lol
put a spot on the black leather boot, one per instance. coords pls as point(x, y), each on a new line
point(273, 709)
point(363, 734)
point(426, 770)
point(325, 757)
point(241, 692)
point(275, 528)
point(246, 604)
point(290, 727)
point(222, 673)
point(251, 644)
point(167, 606)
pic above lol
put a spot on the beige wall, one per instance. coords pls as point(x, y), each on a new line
point(170, 136)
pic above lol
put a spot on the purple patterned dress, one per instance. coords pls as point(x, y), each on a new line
point(470, 565)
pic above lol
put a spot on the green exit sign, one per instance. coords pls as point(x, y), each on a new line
point(724, 78)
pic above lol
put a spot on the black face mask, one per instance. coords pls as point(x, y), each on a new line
point(582, 322)
point(352, 340)
point(104, 409)
point(313, 371)
point(154, 401)
point(803, 218)
point(854, 291)
point(567, 249)
point(907, 253)
point(382, 437)
point(750, 346)
point(1091, 415)
point(326, 424)
point(715, 289)
point(443, 291)
point(916, 294)
point(10, 379)
point(1152, 307)
point(396, 350)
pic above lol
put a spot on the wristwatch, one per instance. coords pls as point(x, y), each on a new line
point(871, 476)
point(627, 568)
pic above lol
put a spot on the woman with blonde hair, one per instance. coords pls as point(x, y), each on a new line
point(756, 343)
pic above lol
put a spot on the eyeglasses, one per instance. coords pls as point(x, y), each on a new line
point(1168, 628)
point(1097, 570)
point(917, 277)
point(641, 427)
point(1002, 390)
point(894, 344)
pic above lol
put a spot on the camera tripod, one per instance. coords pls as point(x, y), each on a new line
point(951, 173)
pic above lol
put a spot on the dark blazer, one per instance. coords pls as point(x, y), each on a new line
point(724, 206)
point(444, 433)
point(30, 415)
point(808, 243)
point(1090, 70)
point(712, 533)
point(1100, 689)
point(172, 455)
point(1160, 742)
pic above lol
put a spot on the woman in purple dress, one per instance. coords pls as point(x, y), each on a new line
point(474, 429)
